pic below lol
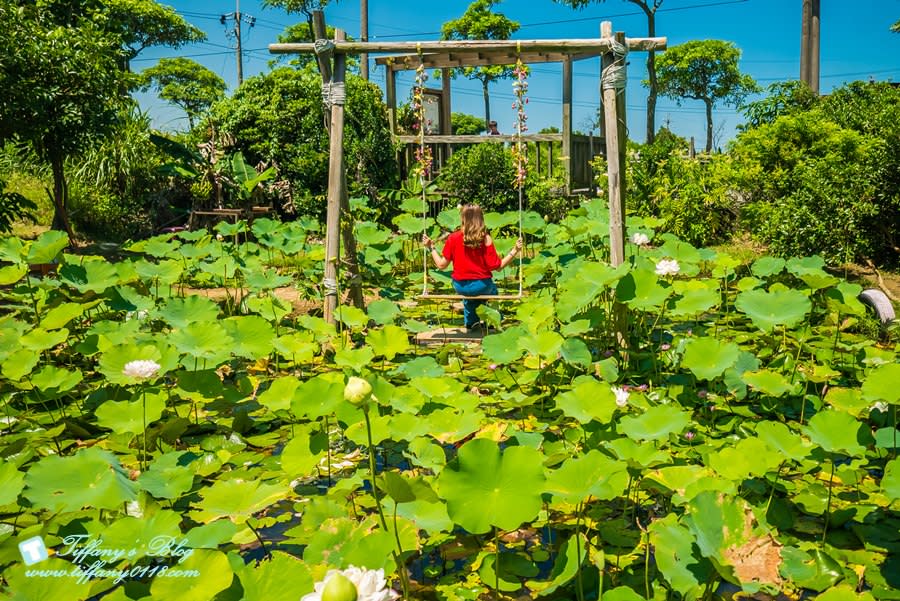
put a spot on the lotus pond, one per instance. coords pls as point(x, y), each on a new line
point(740, 439)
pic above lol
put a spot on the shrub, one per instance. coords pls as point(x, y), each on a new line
point(482, 174)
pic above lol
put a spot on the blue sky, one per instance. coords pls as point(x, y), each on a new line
point(857, 44)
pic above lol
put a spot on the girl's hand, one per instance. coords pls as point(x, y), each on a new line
point(519, 245)
point(427, 242)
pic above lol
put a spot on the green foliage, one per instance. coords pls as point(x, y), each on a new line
point(465, 124)
point(185, 83)
point(547, 196)
point(14, 207)
point(705, 70)
point(277, 118)
point(482, 174)
point(784, 98)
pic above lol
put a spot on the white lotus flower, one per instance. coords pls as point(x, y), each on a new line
point(370, 585)
point(621, 396)
point(142, 369)
point(640, 239)
point(880, 406)
point(667, 267)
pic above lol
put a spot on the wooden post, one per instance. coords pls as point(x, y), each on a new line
point(364, 37)
point(390, 91)
point(319, 32)
point(814, 47)
point(446, 111)
point(335, 193)
point(567, 121)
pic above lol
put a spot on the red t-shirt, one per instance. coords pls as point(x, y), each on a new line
point(470, 263)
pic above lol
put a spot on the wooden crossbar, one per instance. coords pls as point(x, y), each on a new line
point(479, 297)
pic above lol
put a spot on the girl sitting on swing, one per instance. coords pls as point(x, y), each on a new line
point(472, 252)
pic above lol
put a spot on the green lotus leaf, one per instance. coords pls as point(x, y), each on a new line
point(383, 311)
point(883, 384)
point(641, 290)
point(848, 400)
point(406, 425)
point(271, 307)
point(283, 576)
point(12, 481)
point(845, 592)
point(815, 570)
point(319, 395)
point(535, 312)
point(838, 432)
point(696, 296)
point(509, 569)
point(12, 250)
point(494, 220)
point(212, 535)
point(302, 454)
point(844, 298)
point(582, 286)
point(40, 339)
point(169, 476)
point(637, 455)
point(146, 535)
point(545, 345)
point(622, 593)
point(21, 585)
point(532, 222)
point(656, 423)
point(60, 315)
point(780, 438)
point(203, 341)
point(588, 399)
point(782, 307)
point(47, 247)
point(408, 224)
point(489, 315)
point(450, 219)
point(575, 352)
point(52, 378)
point(165, 272)
point(767, 266)
point(351, 317)
point(422, 451)
point(251, 336)
point(484, 488)
point(709, 357)
point(355, 359)
point(92, 275)
point(718, 524)
point(182, 312)
point(12, 274)
point(90, 478)
point(266, 279)
point(503, 347)
point(279, 394)
point(157, 246)
point(236, 500)
point(369, 233)
point(428, 516)
point(593, 474)
point(749, 457)
point(769, 382)
point(406, 490)
point(890, 482)
point(809, 269)
point(114, 359)
point(388, 342)
point(128, 416)
point(678, 557)
point(341, 541)
point(19, 364)
point(569, 559)
point(421, 367)
point(210, 573)
point(437, 388)
point(296, 346)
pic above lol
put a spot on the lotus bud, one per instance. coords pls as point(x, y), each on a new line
point(339, 587)
point(357, 391)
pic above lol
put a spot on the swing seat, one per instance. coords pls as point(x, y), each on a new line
point(478, 297)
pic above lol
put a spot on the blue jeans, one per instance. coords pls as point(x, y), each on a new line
point(473, 288)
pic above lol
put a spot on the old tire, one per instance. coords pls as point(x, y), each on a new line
point(880, 303)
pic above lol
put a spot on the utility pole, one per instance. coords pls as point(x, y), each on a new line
point(238, 18)
point(364, 37)
point(809, 44)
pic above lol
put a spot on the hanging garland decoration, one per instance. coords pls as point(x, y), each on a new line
point(520, 151)
point(423, 152)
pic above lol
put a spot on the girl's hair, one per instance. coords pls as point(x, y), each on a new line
point(473, 226)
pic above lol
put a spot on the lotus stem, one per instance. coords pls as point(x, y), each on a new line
point(144, 433)
point(828, 504)
point(579, 585)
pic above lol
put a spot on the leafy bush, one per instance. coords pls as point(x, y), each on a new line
point(482, 174)
point(14, 207)
point(547, 196)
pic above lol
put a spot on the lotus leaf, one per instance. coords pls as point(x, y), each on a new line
point(352, 317)
point(319, 395)
point(60, 315)
point(656, 423)
point(637, 455)
point(883, 384)
point(423, 452)
point(816, 570)
point(890, 482)
point(412, 225)
point(40, 339)
point(678, 557)
point(12, 274)
point(545, 344)
point(26, 587)
point(838, 432)
point(169, 476)
point(53, 380)
point(778, 437)
point(128, 416)
point(90, 478)
point(504, 347)
point(621, 593)
point(591, 475)
point(588, 399)
point(769, 382)
point(775, 308)
point(19, 364)
point(510, 568)
point(92, 275)
point(12, 481)
point(355, 359)
point(447, 424)
point(250, 336)
point(571, 555)
point(282, 577)
point(47, 247)
point(280, 393)
point(302, 454)
point(236, 500)
point(213, 571)
point(114, 359)
point(767, 266)
point(848, 400)
point(296, 347)
point(575, 352)
point(484, 488)
point(165, 272)
point(204, 341)
point(383, 311)
point(341, 541)
point(709, 357)
point(145, 534)
point(695, 297)
point(421, 366)
point(641, 290)
point(749, 457)
point(388, 341)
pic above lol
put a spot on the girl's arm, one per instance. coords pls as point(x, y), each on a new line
point(440, 261)
point(508, 257)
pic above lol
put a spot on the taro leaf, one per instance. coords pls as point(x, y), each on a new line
point(12, 274)
point(421, 367)
point(279, 394)
point(593, 474)
point(22, 585)
point(319, 395)
point(52, 378)
point(181, 312)
point(565, 567)
point(301, 455)
point(656, 423)
point(546, 344)
point(355, 359)
point(815, 570)
point(678, 556)
point(411, 225)
point(12, 481)
point(59, 316)
point(749, 457)
point(768, 382)
point(351, 317)
point(213, 574)
point(890, 482)
point(114, 359)
point(90, 276)
point(19, 364)
point(766, 266)
point(838, 432)
point(383, 311)
point(236, 500)
point(575, 352)
point(588, 399)
point(128, 416)
point(766, 310)
point(641, 290)
point(251, 336)
point(47, 247)
point(283, 576)
point(169, 476)
point(504, 347)
point(90, 478)
point(883, 384)
point(708, 357)
point(484, 489)
point(40, 339)
point(207, 342)
point(388, 342)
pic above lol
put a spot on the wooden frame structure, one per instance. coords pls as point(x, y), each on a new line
point(445, 54)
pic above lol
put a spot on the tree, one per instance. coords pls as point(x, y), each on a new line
point(185, 83)
point(784, 98)
point(896, 27)
point(60, 88)
point(704, 70)
point(480, 23)
point(650, 7)
point(465, 124)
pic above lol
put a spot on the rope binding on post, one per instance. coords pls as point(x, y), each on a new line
point(615, 76)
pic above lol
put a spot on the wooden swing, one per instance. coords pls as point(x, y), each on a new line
point(521, 159)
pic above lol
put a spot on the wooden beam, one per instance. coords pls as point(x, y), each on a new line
point(478, 139)
point(466, 59)
point(575, 45)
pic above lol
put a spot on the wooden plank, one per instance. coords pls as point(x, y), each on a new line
point(477, 139)
point(573, 45)
point(479, 297)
